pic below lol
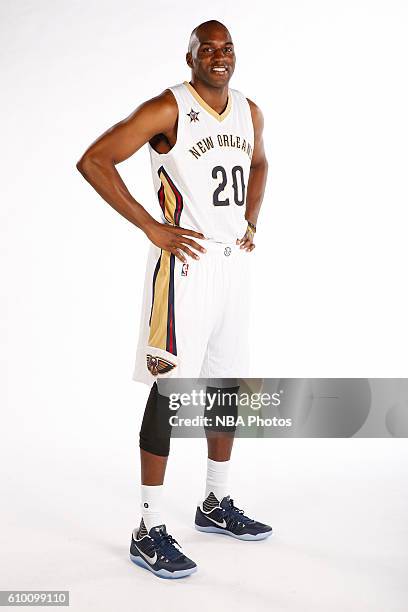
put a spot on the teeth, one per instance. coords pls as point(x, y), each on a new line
point(219, 69)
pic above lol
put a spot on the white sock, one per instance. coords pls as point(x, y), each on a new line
point(217, 478)
point(151, 505)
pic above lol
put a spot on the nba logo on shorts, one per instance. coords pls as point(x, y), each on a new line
point(184, 269)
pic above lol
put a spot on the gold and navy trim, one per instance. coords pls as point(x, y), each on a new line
point(207, 107)
point(171, 345)
point(170, 198)
point(156, 270)
point(162, 315)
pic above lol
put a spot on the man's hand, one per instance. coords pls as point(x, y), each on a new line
point(173, 239)
point(247, 241)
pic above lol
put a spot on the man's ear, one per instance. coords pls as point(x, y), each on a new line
point(189, 59)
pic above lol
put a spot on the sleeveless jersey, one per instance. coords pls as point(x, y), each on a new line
point(202, 181)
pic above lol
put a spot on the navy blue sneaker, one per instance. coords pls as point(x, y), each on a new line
point(159, 552)
point(223, 517)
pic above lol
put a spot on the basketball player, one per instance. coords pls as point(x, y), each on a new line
point(209, 172)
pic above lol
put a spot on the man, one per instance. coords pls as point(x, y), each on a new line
point(209, 170)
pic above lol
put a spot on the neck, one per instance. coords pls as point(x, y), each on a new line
point(216, 97)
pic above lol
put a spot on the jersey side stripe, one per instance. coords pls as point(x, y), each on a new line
point(170, 198)
point(159, 316)
point(156, 270)
point(160, 195)
point(162, 317)
point(171, 345)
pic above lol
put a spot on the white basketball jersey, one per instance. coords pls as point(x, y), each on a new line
point(202, 181)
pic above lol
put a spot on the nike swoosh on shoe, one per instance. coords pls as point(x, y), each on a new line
point(223, 524)
point(151, 560)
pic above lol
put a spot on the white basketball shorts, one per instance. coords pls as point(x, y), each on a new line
point(195, 316)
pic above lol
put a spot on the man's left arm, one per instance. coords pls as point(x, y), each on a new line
point(257, 179)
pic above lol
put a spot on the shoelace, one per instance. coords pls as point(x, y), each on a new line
point(165, 546)
point(236, 514)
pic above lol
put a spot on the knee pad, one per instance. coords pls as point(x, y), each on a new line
point(225, 405)
point(155, 431)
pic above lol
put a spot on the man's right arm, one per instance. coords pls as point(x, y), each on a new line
point(97, 165)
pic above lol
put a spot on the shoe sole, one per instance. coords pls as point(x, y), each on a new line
point(245, 536)
point(162, 573)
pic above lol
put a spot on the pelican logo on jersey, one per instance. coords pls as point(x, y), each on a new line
point(158, 365)
point(184, 269)
point(193, 116)
point(227, 251)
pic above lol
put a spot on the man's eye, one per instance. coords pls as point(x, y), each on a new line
point(206, 49)
point(228, 49)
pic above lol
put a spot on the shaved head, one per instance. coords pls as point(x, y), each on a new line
point(203, 30)
point(211, 54)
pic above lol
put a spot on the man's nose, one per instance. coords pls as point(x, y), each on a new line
point(219, 53)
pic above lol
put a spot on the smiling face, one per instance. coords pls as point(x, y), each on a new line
point(211, 54)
